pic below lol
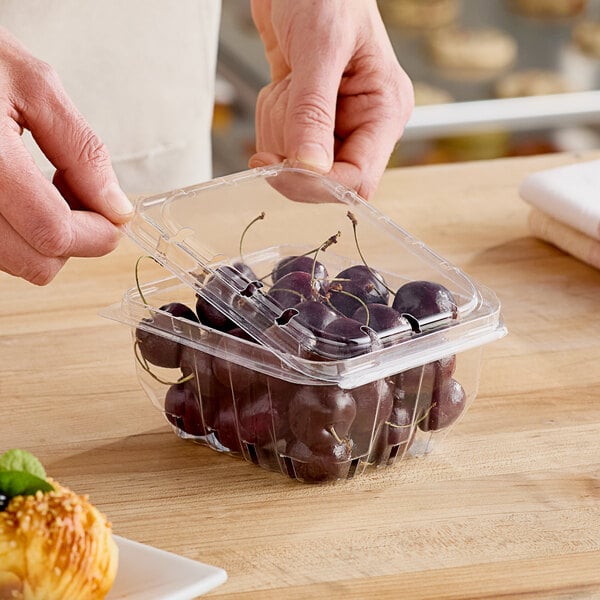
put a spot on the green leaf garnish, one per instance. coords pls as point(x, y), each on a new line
point(20, 483)
point(21, 460)
point(22, 474)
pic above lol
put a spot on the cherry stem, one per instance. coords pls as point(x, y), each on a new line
point(333, 432)
point(328, 242)
point(336, 288)
point(259, 218)
point(419, 420)
point(137, 276)
point(354, 222)
point(144, 364)
point(296, 292)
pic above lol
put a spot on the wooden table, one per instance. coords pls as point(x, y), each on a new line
point(509, 507)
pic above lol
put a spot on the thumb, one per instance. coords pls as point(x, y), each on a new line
point(310, 116)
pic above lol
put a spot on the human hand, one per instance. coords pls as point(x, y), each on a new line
point(43, 223)
point(338, 100)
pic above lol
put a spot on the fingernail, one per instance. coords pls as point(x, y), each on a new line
point(314, 155)
point(117, 199)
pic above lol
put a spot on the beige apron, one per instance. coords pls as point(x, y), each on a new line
point(142, 73)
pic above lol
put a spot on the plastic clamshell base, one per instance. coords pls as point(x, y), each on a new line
point(226, 354)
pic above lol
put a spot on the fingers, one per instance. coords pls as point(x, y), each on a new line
point(68, 141)
point(18, 258)
point(39, 223)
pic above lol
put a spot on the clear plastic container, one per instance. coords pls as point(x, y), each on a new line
point(306, 358)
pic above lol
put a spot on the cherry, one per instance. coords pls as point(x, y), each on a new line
point(293, 288)
point(397, 433)
point(344, 338)
point(211, 316)
point(226, 427)
point(416, 385)
point(425, 299)
point(260, 420)
point(355, 286)
point(303, 347)
point(445, 366)
point(373, 406)
point(245, 270)
point(401, 422)
point(306, 264)
point(155, 348)
point(182, 409)
point(447, 404)
point(314, 314)
point(198, 365)
point(380, 317)
point(320, 414)
point(331, 464)
point(228, 372)
point(241, 277)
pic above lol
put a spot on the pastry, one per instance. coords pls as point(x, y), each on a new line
point(54, 545)
point(426, 94)
point(549, 8)
point(586, 37)
point(532, 82)
point(478, 50)
point(419, 14)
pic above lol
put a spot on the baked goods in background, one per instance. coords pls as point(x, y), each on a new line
point(419, 14)
point(549, 8)
point(531, 82)
point(427, 94)
point(464, 51)
point(54, 544)
point(586, 38)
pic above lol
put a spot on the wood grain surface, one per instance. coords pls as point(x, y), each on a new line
point(508, 507)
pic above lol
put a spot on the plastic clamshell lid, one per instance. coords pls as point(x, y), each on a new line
point(197, 233)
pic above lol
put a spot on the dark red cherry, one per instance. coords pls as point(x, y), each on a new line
point(182, 409)
point(293, 288)
point(262, 420)
point(320, 414)
point(373, 406)
point(416, 385)
point(344, 338)
point(357, 285)
point(225, 364)
point(226, 426)
point(447, 404)
point(380, 317)
point(245, 270)
point(155, 348)
point(445, 366)
point(307, 264)
point(314, 314)
point(397, 433)
point(425, 300)
point(329, 464)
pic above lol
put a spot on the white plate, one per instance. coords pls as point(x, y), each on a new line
point(147, 573)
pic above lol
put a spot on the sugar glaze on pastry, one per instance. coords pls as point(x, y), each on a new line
point(55, 545)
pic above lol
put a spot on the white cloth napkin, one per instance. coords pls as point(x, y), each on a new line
point(566, 238)
point(569, 194)
point(565, 209)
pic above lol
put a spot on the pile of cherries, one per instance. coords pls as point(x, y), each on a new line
point(313, 432)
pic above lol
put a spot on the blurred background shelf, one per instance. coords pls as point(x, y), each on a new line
point(468, 121)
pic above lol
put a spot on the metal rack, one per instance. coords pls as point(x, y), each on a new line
point(543, 44)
